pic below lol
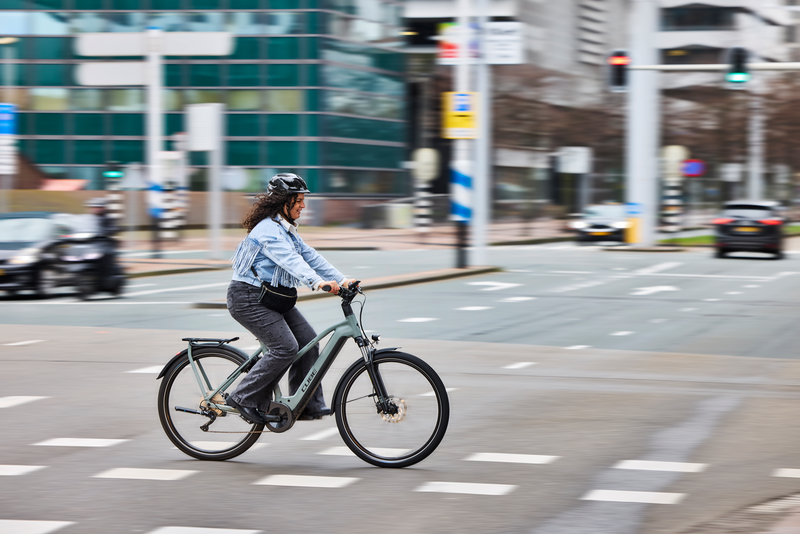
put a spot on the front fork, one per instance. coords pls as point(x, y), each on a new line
point(382, 403)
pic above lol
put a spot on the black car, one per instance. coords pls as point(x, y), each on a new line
point(601, 222)
point(29, 244)
point(749, 225)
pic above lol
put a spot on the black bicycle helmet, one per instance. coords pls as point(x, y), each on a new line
point(287, 183)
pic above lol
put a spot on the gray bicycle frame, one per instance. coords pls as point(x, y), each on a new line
point(348, 328)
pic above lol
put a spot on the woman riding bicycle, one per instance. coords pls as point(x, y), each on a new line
point(267, 267)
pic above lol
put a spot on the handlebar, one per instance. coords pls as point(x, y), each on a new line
point(346, 290)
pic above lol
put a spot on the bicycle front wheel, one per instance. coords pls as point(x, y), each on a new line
point(416, 423)
point(229, 435)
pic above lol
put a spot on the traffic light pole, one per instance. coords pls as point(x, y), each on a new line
point(755, 182)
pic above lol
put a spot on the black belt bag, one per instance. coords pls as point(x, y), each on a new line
point(276, 298)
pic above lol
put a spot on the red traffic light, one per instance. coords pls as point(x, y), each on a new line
point(619, 60)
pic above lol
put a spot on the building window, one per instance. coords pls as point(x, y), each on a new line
point(697, 18)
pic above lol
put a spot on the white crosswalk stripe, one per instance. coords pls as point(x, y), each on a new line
point(467, 488)
point(80, 442)
point(10, 402)
point(17, 470)
point(145, 474)
point(201, 530)
point(11, 526)
point(645, 497)
point(300, 481)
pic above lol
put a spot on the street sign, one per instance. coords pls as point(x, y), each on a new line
point(426, 164)
point(633, 209)
point(672, 158)
point(8, 119)
point(204, 126)
point(459, 121)
point(170, 44)
point(107, 73)
point(574, 159)
point(694, 167)
point(732, 172)
point(504, 43)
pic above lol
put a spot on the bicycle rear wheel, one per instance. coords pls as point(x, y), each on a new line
point(229, 435)
point(420, 403)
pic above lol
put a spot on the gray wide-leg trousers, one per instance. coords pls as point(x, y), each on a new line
point(283, 335)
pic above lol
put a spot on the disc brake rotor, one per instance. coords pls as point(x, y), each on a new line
point(402, 408)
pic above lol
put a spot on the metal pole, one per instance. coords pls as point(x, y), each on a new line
point(755, 183)
point(8, 73)
point(155, 127)
point(481, 197)
point(215, 187)
point(643, 124)
point(461, 166)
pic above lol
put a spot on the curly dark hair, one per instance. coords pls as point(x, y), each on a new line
point(269, 206)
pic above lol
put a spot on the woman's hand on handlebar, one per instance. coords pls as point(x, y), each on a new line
point(351, 284)
point(331, 286)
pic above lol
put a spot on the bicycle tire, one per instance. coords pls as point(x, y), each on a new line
point(374, 437)
point(179, 388)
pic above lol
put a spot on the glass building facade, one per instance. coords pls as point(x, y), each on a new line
point(313, 86)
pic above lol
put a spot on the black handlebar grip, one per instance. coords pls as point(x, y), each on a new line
point(326, 287)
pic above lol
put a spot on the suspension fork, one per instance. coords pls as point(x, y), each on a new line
point(382, 402)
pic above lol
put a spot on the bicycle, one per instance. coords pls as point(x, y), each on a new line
point(391, 407)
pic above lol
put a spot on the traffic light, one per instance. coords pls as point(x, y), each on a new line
point(113, 170)
point(618, 62)
point(738, 71)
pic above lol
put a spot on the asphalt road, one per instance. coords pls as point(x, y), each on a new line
point(670, 380)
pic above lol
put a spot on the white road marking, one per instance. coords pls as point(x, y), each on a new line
point(623, 333)
point(519, 365)
point(787, 473)
point(21, 343)
point(474, 308)
point(645, 465)
point(712, 300)
point(155, 369)
point(218, 314)
point(80, 442)
point(299, 481)
point(145, 474)
point(582, 285)
point(433, 393)
point(511, 458)
point(647, 497)
point(687, 309)
point(733, 293)
point(571, 272)
point(519, 271)
point(658, 268)
point(133, 254)
point(578, 347)
point(323, 434)
point(658, 321)
point(201, 530)
point(139, 285)
point(17, 470)
point(466, 488)
point(653, 289)
point(751, 286)
point(169, 289)
point(344, 451)
point(10, 402)
point(418, 320)
point(493, 286)
point(11, 526)
point(517, 299)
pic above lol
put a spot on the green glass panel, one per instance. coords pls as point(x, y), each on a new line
point(311, 125)
point(282, 75)
point(125, 4)
point(13, 4)
point(283, 125)
point(244, 99)
point(173, 123)
point(53, 48)
point(174, 75)
point(127, 151)
point(283, 48)
point(243, 4)
point(315, 22)
point(202, 96)
point(244, 75)
point(284, 4)
point(172, 100)
point(242, 152)
point(311, 47)
point(165, 4)
point(47, 151)
point(89, 5)
point(312, 99)
point(313, 4)
point(244, 125)
point(247, 48)
point(48, 4)
point(283, 154)
point(127, 124)
point(283, 100)
point(24, 126)
point(88, 124)
point(50, 74)
point(50, 23)
point(49, 99)
point(311, 75)
point(311, 155)
point(126, 100)
point(86, 99)
point(204, 75)
point(204, 4)
point(48, 123)
point(88, 152)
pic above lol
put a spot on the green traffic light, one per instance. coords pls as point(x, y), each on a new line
point(737, 77)
point(113, 174)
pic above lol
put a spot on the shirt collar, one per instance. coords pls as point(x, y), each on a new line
point(289, 227)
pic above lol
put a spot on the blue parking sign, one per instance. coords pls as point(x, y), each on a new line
point(8, 119)
point(633, 208)
point(462, 102)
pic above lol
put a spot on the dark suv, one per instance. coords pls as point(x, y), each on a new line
point(749, 225)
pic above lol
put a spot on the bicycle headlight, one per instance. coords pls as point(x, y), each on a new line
point(26, 256)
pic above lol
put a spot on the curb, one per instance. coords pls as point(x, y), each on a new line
point(644, 249)
point(417, 278)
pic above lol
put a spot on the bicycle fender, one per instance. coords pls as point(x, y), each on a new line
point(355, 364)
point(184, 352)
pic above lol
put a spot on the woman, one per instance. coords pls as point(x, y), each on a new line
point(274, 254)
